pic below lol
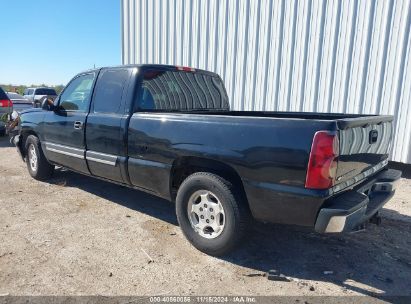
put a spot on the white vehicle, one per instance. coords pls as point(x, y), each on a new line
point(36, 94)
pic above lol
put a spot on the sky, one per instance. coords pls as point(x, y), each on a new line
point(49, 41)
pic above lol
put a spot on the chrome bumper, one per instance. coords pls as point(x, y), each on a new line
point(352, 208)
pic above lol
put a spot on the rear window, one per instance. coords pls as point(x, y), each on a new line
point(14, 95)
point(3, 95)
point(45, 92)
point(182, 91)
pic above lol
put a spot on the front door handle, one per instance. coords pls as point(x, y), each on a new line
point(78, 125)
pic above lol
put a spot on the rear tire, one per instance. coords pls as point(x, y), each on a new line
point(37, 164)
point(220, 215)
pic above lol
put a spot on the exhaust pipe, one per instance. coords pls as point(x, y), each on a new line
point(359, 228)
point(376, 219)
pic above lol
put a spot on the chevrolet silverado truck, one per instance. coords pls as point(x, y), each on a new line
point(169, 131)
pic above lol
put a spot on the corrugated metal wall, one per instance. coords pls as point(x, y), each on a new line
point(327, 56)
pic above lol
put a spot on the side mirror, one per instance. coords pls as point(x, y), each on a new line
point(47, 104)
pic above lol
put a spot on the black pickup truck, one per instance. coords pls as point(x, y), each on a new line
point(169, 131)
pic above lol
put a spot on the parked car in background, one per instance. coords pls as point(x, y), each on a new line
point(36, 94)
point(19, 102)
point(170, 131)
point(6, 107)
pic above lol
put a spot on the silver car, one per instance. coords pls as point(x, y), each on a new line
point(19, 102)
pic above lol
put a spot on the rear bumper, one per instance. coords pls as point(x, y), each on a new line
point(352, 208)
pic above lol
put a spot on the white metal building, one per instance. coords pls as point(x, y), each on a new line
point(286, 55)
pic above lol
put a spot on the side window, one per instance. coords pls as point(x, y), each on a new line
point(76, 96)
point(109, 90)
point(30, 92)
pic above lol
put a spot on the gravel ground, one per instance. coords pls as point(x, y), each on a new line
point(76, 235)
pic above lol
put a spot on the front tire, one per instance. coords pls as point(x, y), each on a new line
point(37, 164)
point(212, 214)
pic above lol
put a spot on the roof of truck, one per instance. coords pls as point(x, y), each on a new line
point(156, 66)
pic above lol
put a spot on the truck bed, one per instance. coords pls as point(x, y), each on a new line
point(269, 150)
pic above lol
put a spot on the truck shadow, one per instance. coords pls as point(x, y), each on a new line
point(127, 197)
point(374, 263)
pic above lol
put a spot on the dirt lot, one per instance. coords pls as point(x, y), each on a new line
point(79, 236)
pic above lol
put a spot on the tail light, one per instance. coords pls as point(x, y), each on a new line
point(5, 103)
point(322, 165)
point(186, 69)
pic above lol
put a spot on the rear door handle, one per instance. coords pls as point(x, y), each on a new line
point(78, 125)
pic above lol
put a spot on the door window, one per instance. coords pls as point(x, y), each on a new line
point(76, 96)
point(109, 90)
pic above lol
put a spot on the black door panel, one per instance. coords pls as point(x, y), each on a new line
point(67, 156)
point(106, 125)
point(105, 134)
point(61, 128)
point(64, 141)
point(106, 165)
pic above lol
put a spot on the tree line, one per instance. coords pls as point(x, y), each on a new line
point(20, 88)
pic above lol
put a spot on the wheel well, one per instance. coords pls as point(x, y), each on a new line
point(22, 142)
point(185, 166)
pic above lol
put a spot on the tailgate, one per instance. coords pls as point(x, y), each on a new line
point(364, 146)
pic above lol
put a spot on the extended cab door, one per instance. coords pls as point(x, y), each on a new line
point(63, 129)
point(106, 130)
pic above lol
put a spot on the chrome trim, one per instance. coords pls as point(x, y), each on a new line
point(107, 159)
point(336, 224)
point(63, 147)
point(65, 150)
point(148, 163)
point(98, 160)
